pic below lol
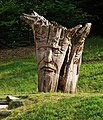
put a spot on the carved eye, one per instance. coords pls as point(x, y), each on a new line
point(56, 52)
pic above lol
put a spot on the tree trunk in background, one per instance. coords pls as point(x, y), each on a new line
point(59, 53)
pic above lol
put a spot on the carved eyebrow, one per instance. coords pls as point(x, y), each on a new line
point(44, 46)
point(47, 46)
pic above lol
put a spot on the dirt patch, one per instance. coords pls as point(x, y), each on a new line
point(16, 53)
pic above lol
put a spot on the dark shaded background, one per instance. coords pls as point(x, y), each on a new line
point(15, 33)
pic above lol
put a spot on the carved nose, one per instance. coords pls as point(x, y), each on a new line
point(48, 56)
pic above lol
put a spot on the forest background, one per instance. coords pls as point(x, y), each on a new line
point(69, 13)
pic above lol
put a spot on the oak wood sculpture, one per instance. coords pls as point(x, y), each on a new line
point(58, 51)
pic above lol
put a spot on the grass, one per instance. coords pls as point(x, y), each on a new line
point(19, 76)
point(91, 78)
point(93, 50)
point(59, 106)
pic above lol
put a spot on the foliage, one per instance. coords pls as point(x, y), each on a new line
point(94, 8)
point(65, 13)
point(15, 32)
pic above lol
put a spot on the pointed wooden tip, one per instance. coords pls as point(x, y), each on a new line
point(88, 24)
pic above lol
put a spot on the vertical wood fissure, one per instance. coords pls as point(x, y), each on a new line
point(66, 45)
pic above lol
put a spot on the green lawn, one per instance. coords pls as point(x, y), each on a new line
point(91, 78)
point(59, 106)
point(93, 50)
point(19, 76)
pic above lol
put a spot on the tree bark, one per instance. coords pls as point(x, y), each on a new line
point(74, 60)
point(59, 53)
point(3, 102)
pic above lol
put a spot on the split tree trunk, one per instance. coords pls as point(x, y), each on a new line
point(72, 67)
point(59, 53)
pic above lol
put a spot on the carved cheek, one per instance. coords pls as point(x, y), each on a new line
point(58, 60)
point(40, 55)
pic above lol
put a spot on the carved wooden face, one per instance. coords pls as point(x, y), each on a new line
point(51, 47)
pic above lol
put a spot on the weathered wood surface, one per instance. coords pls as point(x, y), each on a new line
point(74, 60)
point(59, 53)
point(11, 102)
point(11, 98)
point(3, 102)
point(3, 106)
point(18, 102)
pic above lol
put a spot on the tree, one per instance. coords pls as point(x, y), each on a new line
point(64, 12)
point(11, 25)
point(94, 8)
point(58, 51)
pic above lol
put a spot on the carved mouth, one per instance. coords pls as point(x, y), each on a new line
point(48, 69)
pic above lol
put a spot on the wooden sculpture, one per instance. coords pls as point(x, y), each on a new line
point(58, 51)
